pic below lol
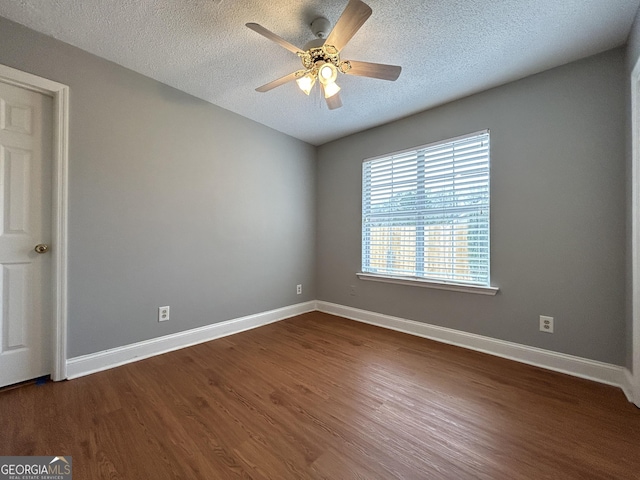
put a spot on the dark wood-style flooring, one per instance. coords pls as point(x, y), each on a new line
point(317, 396)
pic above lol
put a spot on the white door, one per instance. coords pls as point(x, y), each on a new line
point(25, 221)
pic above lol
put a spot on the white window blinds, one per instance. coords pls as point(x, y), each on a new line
point(425, 212)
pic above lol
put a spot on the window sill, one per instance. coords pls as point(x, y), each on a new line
point(419, 282)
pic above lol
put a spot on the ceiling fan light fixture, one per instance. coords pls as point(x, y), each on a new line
point(327, 73)
point(330, 89)
point(306, 83)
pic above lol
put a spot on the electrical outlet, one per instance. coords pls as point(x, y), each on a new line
point(546, 324)
point(299, 289)
point(352, 290)
point(163, 314)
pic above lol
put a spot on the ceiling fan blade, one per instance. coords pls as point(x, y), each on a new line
point(273, 37)
point(334, 101)
point(353, 17)
point(280, 81)
point(373, 70)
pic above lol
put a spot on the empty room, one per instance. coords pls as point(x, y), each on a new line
point(314, 239)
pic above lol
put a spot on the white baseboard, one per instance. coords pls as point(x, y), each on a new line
point(96, 362)
point(576, 366)
point(627, 385)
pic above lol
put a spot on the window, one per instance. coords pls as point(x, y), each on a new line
point(425, 213)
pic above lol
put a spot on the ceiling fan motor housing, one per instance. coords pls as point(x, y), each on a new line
point(313, 58)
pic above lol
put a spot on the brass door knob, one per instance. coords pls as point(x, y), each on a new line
point(41, 248)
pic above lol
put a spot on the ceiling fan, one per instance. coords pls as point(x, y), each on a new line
point(321, 57)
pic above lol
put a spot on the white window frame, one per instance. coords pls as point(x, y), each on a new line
point(420, 280)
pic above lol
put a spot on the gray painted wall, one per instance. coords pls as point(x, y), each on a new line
point(633, 43)
point(633, 55)
point(629, 237)
point(558, 211)
point(173, 201)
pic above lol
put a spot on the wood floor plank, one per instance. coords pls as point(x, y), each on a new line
point(321, 397)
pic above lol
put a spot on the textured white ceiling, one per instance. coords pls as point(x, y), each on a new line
point(448, 49)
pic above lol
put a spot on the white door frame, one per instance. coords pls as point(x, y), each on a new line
point(635, 231)
point(60, 160)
